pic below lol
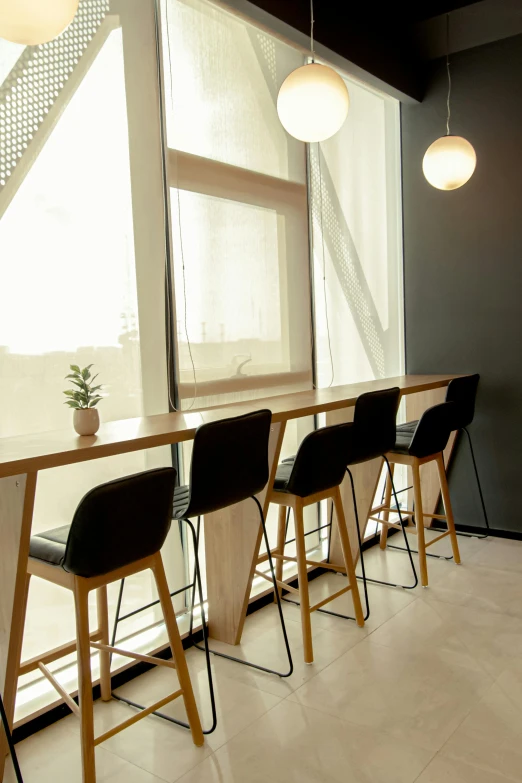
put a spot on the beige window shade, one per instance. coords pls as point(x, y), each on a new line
point(239, 210)
point(355, 203)
point(243, 298)
point(222, 79)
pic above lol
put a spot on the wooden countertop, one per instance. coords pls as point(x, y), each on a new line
point(29, 453)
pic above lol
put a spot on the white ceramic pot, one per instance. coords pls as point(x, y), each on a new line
point(86, 421)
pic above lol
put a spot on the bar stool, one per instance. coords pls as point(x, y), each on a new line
point(314, 475)
point(462, 391)
point(426, 444)
point(229, 464)
point(10, 743)
point(118, 529)
point(372, 436)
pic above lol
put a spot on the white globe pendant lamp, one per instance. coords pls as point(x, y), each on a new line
point(33, 22)
point(313, 100)
point(450, 161)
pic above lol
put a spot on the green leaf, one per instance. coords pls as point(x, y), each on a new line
point(95, 388)
point(75, 368)
point(69, 393)
point(94, 401)
point(81, 385)
point(72, 404)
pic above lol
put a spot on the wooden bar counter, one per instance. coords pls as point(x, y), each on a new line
point(232, 540)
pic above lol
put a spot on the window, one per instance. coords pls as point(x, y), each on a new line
point(69, 294)
point(239, 216)
point(355, 188)
point(83, 249)
point(238, 207)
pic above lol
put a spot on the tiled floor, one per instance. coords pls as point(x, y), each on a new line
point(429, 691)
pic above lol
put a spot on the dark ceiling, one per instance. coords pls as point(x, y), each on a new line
point(377, 36)
point(410, 12)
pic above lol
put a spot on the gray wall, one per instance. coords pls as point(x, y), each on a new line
point(463, 266)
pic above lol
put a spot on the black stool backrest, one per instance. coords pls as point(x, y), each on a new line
point(374, 424)
point(463, 391)
point(120, 522)
point(433, 430)
point(229, 462)
point(320, 463)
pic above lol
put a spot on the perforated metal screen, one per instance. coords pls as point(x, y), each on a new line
point(36, 81)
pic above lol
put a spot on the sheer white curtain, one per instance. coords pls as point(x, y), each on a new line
point(355, 202)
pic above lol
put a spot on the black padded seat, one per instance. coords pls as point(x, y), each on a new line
point(181, 501)
point(282, 476)
point(410, 427)
point(430, 434)
point(50, 545)
point(403, 439)
point(111, 526)
point(372, 433)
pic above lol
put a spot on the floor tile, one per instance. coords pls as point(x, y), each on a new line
point(157, 746)
point(481, 588)
point(419, 697)
point(417, 627)
point(237, 703)
point(443, 770)
point(495, 640)
point(265, 646)
point(430, 690)
point(504, 554)
point(296, 743)
point(54, 756)
point(491, 735)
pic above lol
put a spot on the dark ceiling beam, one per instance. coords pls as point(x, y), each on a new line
point(384, 50)
point(474, 25)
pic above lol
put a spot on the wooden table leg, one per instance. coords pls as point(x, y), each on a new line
point(16, 514)
point(365, 478)
point(232, 541)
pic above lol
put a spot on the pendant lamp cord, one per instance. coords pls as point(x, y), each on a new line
point(449, 72)
point(312, 21)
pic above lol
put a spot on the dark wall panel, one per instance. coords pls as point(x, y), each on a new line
point(463, 266)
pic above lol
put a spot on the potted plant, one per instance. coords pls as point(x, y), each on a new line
point(83, 399)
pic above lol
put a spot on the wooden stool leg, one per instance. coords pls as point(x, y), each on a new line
point(105, 656)
point(302, 573)
point(177, 650)
point(281, 535)
point(447, 508)
point(81, 601)
point(347, 556)
point(387, 501)
point(11, 687)
point(419, 519)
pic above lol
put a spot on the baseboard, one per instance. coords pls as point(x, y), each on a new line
point(481, 531)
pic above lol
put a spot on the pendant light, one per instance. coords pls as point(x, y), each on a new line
point(33, 22)
point(313, 100)
point(450, 161)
